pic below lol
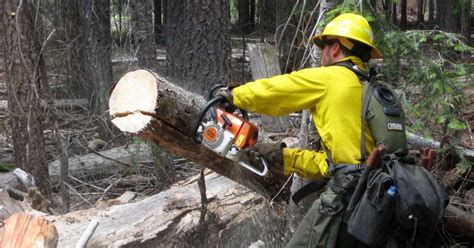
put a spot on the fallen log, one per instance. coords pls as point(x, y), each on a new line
point(147, 105)
point(418, 142)
point(459, 222)
point(236, 217)
point(103, 162)
point(25, 230)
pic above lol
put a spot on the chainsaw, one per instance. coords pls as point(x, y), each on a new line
point(227, 133)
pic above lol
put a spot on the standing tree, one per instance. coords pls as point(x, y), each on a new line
point(67, 21)
point(27, 86)
point(403, 13)
point(142, 32)
point(198, 43)
point(454, 16)
point(243, 8)
point(158, 23)
point(267, 11)
point(95, 55)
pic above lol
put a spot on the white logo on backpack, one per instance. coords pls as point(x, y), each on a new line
point(394, 126)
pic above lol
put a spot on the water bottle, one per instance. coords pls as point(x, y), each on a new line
point(392, 191)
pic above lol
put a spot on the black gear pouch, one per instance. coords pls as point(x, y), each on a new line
point(373, 215)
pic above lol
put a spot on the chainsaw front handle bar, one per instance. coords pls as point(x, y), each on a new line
point(251, 168)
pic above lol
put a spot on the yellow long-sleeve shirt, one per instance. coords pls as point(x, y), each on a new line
point(334, 96)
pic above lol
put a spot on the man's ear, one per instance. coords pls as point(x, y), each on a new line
point(335, 50)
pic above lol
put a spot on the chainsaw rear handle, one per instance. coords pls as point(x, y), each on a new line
point(249, 167)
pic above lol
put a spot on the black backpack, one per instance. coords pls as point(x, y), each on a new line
point(396, 200)
point(407, 216)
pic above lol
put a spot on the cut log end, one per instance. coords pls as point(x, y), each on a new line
point(26, 230)
point(133, 100)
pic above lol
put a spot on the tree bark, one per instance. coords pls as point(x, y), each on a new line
point(198, 43)
point(466, 19)
point(26, 82)
point(69, 22)
point(403, 17)
point(267, 12)
point(448, 17)
point(244, 15)
point(420, 13)
point(147, 105)
point(158, 25)
point(459, 222)
point(431, 10)
point(252, 6)
point(285, 32)
point(96, 56)
point(142, 30)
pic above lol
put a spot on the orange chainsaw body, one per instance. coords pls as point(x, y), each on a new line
point(244, 133)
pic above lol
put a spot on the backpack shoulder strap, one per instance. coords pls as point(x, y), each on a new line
point(366, 95)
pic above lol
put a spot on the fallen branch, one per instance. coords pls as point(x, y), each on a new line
point(419, 142)
point(86, 236)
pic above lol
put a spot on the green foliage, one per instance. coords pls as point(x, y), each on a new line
point(6, 167)
point(464, 166)
point(234, 13)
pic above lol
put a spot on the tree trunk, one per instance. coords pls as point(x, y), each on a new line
point(394, 12)
point(431, 9)
point(286, 31)
point(26, 82)
point(198, 43)
point(244, 15)
point(448, 17)
point(252, 11)
point(403, 18)
point(420, 13)
point(72, 68)
point(142, 32)
point(466, 19)
point(96, 56)
point(267, 12)
point(158, 25)
point(149, 106)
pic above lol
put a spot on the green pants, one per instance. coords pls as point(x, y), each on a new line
point(325, 224)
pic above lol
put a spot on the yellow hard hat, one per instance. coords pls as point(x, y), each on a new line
point(350, 26)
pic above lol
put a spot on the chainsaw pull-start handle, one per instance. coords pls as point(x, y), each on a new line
point(255, 170)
